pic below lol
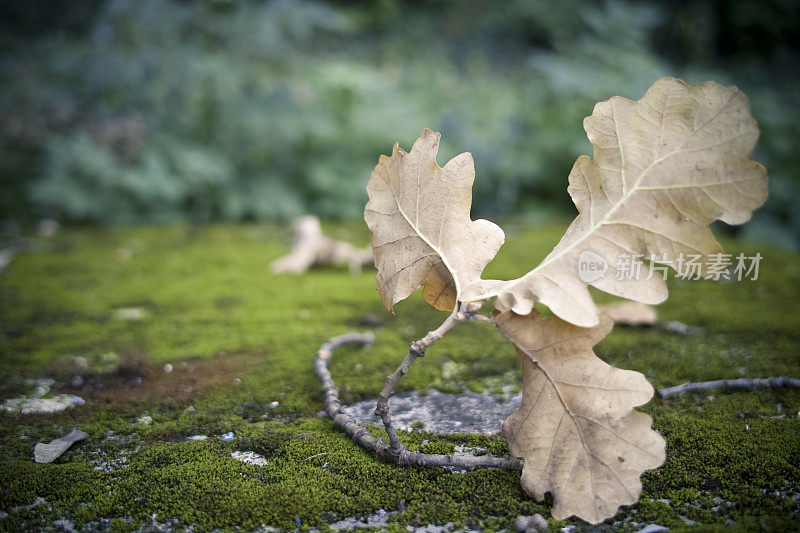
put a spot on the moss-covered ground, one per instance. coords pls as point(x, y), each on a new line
point(240, 339)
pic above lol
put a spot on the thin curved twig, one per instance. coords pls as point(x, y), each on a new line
point(741, 383)
point(398, 453)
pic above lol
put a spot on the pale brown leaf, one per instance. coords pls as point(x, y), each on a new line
point(630, 313)
point(422, 234)
point(665, 167)
point(576, 429)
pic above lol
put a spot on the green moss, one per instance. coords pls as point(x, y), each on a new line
point(248, 338)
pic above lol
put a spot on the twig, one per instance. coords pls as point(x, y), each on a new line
point(317, 455)
point(415, 350)
point(398, 454)
point(729, 384)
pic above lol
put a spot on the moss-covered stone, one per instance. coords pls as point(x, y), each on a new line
point(240, 339)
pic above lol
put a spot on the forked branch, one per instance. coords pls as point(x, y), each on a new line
point(415, 350)
point(396, 452)
point(741, 383)
point(386, 451)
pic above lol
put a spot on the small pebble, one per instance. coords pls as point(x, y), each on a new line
point(167, 368)
point(250, 458)
point(538, 522)
point(653, 528)
point(274, 404)
point(530, 524)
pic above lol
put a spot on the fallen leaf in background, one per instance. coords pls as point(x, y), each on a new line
point(312, 248)
point(630, 313)
point(47, 453)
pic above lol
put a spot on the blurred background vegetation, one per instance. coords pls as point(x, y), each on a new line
point(153, 111)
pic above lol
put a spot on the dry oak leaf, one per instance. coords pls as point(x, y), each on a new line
point(422, 234)
point(576, 429)
point(665, 167)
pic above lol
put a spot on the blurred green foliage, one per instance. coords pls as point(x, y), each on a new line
point(157, 110)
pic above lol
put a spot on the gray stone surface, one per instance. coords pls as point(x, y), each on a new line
point(467, 412)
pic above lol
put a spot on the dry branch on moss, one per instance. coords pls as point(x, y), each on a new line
point(395, 451)
point(742, 383)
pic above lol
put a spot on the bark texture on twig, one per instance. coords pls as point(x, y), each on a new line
point(386, 451)
point(729, 384)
